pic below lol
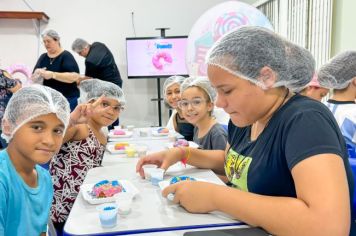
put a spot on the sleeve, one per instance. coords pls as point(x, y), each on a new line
point(218, 139)
point(3, 210)
point(6, 82)
point(69, 63)
point(39, 62)
point(311, 133)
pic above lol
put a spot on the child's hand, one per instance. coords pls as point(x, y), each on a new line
point(194, 196)
point(83, 112)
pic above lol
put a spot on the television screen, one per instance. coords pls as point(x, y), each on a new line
point(156, 57)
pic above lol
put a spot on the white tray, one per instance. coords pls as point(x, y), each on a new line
point(128, 134)
point(112, 150)
point(85, 189)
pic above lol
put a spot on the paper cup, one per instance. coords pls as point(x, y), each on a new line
point(108, 215)
point(147, 170)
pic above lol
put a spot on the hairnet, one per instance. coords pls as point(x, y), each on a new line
point(301, 66)
point(31, 102)
point(200, 82)
point(175, 79)
point(339, 71)
point(245, 51)
point(51, 33)
point(95, 88)
point(79, 44)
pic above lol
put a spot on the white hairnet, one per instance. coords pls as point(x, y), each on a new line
point(339, 71)
point(31, 102)
point(175, 79)
point(200, 82)
point(51, 33)
point(301, 66)
point(245, 51)
point(95, 88)
point(79, 44)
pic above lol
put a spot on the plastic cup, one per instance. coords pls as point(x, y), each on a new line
point(141, 150)
point(117, 127)
point(144, 132)
point(147, 169)
point(124, 202)
point(157, 176)
point(172, 138)
point(108, 215)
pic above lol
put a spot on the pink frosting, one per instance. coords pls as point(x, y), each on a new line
point(119, 132)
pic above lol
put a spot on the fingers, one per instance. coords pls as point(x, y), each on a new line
point(172, 192)
point(98, 101)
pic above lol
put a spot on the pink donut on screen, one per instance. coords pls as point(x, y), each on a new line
point(156, 59)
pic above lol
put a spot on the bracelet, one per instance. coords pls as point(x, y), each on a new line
point(185, 158)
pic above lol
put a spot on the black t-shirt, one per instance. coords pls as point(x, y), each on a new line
point(64, 62)
point(184, 128)
point(300, 129)
point(100, 64)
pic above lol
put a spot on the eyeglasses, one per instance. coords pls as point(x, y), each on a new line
point(196, 102)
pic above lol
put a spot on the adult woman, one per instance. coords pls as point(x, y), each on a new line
point(281, 147)
point(58, 68)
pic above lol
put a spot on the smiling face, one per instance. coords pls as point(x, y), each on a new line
point(107, 112)
point(38, 140)
point(195, 105)
point(173, 95)
point(245, 102)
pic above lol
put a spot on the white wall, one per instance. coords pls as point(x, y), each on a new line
point(106, 21)
point(343, 33)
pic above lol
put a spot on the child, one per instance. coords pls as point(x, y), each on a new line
point(197, 104)
point(8, 86)
point(314, 90)
point(339, 74)
point(171, 91)
point(83, 147)
point(34, 123)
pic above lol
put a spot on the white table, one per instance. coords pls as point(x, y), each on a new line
point(154, 145)
point(150, 211)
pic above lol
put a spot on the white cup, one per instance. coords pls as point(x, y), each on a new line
point(157, 176)
point(147, 170)
point(108, 215)
point(130, 127)
point(124, 201)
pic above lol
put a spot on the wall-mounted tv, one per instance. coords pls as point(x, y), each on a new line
point(152, 57)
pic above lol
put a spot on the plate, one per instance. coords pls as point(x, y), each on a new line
point(191, 144)
point(112, 150)
point(128, 134)
point(86, 189)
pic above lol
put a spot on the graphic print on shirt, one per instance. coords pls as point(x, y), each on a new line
point(236, 169)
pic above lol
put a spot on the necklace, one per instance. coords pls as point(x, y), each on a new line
point(278, 108)
point(51, 60)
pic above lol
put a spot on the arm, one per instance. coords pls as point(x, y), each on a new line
point(15, 88)
point(321, 206)
point(66, 77)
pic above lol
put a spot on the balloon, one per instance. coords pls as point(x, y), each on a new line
point(213, 24)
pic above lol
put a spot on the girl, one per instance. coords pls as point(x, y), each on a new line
point(84, 146)
point(281, 151)
point(197, 104)
point(34, 124)
point(171, 91)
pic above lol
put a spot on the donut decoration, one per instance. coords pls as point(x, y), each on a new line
point(163, 131)
point(106, 188)
point(181, 143)
point(159, 57)
point(177, 179)
point(119, 132)
point(22, 69)
point(121, 146)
